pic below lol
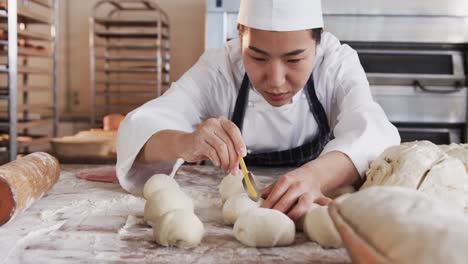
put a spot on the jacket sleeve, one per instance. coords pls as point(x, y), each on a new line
point(190, 100)
point(361, 129)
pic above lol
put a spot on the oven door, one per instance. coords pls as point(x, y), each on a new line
point(436, 133)
point(414, 67)
point(425, 115)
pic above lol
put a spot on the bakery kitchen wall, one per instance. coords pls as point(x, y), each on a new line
point(187, 44)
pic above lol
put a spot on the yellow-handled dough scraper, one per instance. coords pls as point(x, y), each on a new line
point(249, 182)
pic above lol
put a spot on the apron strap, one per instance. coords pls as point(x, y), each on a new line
point(291, 157)
point(241, 103)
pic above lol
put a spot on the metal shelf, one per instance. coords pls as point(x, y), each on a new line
point(116, 106)
point(131, 35)
point(127, 93)
point(25, 15)
point(34, 70)
point(27, 124)
point(136, 83)
point(27, 88)
point(112, 22)
point(45, 3)
point(126, 58)
point(30, 107)
point(29, 70)
point(127, 70)
point(133, 83)
point(131, 70)
point(134, 46)
point(29, 34)
point(22, 51)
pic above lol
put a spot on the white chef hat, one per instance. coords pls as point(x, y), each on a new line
point(281, 15)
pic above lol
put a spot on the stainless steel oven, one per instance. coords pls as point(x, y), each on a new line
point(414, 54)
point(421, 87)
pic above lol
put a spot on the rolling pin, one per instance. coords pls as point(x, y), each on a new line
point(24, 181)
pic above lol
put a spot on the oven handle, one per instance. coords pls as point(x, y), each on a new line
point(458, 86)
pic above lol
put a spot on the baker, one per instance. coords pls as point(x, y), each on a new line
point(285, 93)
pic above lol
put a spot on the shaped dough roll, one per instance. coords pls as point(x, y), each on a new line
point(158, 182)
point(231, 185)
point(178, 228)
point(236, 205)
point(263, 227)
point(319, 227)
point(164, 201)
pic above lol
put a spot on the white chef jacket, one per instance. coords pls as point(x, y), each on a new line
point(209, 89)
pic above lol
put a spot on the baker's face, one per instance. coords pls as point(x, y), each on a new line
point(278, 63)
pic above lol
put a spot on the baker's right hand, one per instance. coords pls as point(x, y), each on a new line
point(218, 140)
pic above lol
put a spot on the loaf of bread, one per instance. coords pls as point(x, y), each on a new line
point(24, 181)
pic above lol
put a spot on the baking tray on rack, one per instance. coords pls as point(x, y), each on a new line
point(130, 46)
point(137, 35)
point(109, 22)
point(26, 15)
point(4, 125)
point(45, 3)
point(25, 34)
point(29, 107)
point(25, 140)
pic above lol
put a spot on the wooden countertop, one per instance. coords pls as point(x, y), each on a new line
point(82, 221)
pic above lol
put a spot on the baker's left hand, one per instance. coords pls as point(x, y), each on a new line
point(294, 193)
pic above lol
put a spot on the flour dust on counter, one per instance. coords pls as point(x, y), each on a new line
point(84, 221)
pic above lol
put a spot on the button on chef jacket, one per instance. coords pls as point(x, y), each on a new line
point(209, 89)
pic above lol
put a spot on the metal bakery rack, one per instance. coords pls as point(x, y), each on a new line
point(28, 75)
point(129, 54)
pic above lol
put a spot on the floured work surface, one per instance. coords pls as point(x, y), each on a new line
point(82, 222)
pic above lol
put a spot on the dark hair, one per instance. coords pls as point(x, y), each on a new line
point(316, 33)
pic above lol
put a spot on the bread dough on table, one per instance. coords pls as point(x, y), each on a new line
point(458, 151)
point(404, 165)
point(158, 182)
point(236, 205)
point(421, 165)
point(400, 225)
point(319, 227)
point(231, 185)
point(262, 227)
point(164, 201)
point(180, 228)
point(448, 181)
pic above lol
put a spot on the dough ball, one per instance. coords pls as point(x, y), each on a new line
point(231, 185)
point(262, 227)
point(158, 182)
point(179, 228)
point(236, 205)
point(319, 227)
point(403, 165)
point(164, 201)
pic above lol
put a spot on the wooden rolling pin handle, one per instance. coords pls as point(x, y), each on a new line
point(24, 181)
